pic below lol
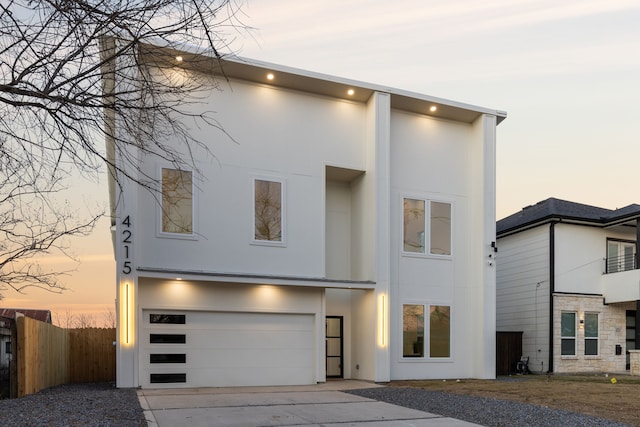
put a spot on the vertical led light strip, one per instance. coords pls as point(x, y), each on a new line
point(126, 312)
point(382, 320)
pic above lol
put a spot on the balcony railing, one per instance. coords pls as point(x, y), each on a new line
point(621, 263)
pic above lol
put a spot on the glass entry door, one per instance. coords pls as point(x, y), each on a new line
point(620, 256)
point(334, 346)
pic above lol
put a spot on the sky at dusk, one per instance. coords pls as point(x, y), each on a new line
point(567, 74)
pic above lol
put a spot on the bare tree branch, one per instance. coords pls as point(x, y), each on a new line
point(66, 68)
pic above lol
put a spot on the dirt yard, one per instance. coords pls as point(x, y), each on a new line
point(614, 397)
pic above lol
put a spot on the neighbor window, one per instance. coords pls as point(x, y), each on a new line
point(440, 331)
point(177, 201)
point(591, 334)
point(413, 330)
point(267, 211)
point(415, 227)
point(568, 334)
point(620, 256)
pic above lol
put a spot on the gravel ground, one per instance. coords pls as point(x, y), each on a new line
point(99, 404)
point(103, 405)
point(483, 411)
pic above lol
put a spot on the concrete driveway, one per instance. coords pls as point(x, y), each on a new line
point(314, 405)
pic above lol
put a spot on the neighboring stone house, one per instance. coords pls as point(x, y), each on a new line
point(347, 232)
point(567, 278)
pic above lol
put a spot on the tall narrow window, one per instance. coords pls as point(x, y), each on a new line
point(568, 334)
point(440, 216)
point(440, 331)
point(414, 226)
point(413, 330)
point(268, 210)
point(620, 256)
point(591, 334)
point(177, 201)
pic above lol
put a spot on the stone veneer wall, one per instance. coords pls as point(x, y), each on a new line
point(635, 362)
point(611, 331)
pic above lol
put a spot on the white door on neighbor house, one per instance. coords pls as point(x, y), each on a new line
point(216, 349)
point(620, 256)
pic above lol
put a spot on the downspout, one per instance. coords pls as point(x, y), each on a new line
point(552, 287)
point(637, 243)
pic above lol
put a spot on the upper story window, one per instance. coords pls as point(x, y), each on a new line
point(268, 204)
point(421, 215)
point(177, 201)
point(621, 255)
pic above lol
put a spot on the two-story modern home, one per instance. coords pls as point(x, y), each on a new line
point(346, 231)
point(568, 280)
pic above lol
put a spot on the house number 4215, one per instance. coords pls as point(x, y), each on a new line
point(127, 236)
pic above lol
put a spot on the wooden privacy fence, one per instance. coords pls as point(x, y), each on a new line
point(46, 356)
point(92, 355)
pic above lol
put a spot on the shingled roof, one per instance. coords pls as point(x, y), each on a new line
point(553, 209)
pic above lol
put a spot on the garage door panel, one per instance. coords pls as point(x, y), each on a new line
point(230, 349)
point(247, 339)
point(260, 377)
point(229, 358)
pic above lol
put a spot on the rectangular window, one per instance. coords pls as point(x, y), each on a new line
point(267, 210)
point(591, 334)
point(168, 358)
point(415, 227)
point(177, 201)
point(7, 347)
point(440, 216)
point(414, 220)
point(568, 334)
point(621, 256)
point(174, 319)
point(440, 331)
point(167, 378)
point(412, 330)
point(167, 338)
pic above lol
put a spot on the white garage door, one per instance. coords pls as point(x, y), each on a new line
point(216, 349)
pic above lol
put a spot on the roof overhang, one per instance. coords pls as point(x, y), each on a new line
point(234, 67)
point(628, 220)
point(254, 279)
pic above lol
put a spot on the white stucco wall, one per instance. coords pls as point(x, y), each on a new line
point(340, 230)
point(278, 134)
point(438, 160)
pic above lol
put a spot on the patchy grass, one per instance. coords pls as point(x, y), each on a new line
point(598, 395)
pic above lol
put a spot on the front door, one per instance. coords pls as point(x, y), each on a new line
point(333, 343)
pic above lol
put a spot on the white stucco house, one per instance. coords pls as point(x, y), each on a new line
point(347, 231)
point(568, 280)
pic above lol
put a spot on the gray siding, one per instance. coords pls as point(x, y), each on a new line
point(523, 289)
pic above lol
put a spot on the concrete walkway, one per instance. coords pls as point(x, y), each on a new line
point(314, 405)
